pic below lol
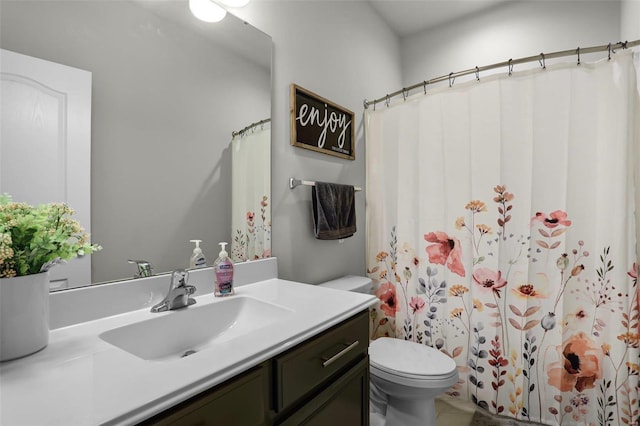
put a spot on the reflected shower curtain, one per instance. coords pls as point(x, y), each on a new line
point(251, 193)
point(501, 231)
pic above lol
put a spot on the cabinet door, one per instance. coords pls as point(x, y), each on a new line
point(344, 402)
point(239, 402)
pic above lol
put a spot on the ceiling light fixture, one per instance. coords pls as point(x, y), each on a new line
point(207, 10)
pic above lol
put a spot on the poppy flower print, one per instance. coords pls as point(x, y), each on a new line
point(579, 366)
point(387, 295)
point(554, 219)
point(445, 251)
point(489, 279)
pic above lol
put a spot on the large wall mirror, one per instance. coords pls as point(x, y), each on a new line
point(167, 93)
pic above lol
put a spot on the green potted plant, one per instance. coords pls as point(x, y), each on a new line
point(32, 241)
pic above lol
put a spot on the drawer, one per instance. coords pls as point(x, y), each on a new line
point(306, 367)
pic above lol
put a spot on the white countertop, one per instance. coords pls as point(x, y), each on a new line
point(79, 379)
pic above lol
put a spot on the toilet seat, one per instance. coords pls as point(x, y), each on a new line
point(410, 363)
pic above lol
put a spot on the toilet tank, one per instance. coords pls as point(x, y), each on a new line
point(350, 283)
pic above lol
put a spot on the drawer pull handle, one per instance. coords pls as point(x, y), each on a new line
point(334, 358)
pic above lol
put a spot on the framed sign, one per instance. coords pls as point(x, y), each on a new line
point(320, 125)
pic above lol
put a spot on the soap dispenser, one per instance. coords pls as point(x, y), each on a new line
point(223, 269)
point(197, 258)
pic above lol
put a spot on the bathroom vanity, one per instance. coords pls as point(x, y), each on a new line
point(266, 368)
point(322, 378)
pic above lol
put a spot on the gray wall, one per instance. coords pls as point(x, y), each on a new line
point(510, 30)
point(630, 20)
point(164, 103)
point(342, 51)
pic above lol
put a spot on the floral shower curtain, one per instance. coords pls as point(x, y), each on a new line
point(501, 231)
point(251, 189)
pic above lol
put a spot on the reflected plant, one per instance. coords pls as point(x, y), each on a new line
point(34, 239)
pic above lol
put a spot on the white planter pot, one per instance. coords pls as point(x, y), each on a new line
point(24, 315)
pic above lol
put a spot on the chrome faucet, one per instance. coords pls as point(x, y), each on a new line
point(178, 295)
point(144, 268)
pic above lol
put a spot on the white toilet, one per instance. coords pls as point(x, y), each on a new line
point(405, 376)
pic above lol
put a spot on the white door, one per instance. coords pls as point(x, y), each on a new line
point(45, 143)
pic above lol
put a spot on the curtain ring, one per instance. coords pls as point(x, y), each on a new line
point(510, 66)
point(477, 73)
point(610, 50)
point(405, 93)
point(387, 100)
point(425, 86)
point(578, 53)
point(451, 80)
point(542, 61)
point(623, 44)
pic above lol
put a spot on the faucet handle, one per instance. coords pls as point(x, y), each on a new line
point(179, 278)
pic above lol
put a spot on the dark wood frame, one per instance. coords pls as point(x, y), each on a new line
point(303, 139)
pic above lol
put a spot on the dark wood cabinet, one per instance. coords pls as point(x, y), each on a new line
point(241, 401)
point(316, 382)
point(345, 401)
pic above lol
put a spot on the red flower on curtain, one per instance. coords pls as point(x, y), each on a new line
point(417, 304)
point(554, 219)
point(387, 295)
point(489, 279)
point(579, 366)
point(445, 251)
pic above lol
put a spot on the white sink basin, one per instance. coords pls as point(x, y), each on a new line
point(182, 332)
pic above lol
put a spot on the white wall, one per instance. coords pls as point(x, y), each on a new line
point(630, 20)
point(342, 51)
point(509, 30)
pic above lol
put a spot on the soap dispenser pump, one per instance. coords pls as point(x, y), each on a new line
point(197, 258)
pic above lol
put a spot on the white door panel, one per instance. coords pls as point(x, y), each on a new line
point(45, 143)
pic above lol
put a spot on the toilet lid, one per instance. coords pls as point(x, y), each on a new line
point(409, 359)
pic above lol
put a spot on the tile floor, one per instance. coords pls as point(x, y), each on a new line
point(454, 412)
point(448, 414)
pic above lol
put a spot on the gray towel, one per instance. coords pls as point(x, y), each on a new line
point(334, 211)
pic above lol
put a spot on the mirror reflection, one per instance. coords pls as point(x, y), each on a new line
point(251, 210)
point(167, 92)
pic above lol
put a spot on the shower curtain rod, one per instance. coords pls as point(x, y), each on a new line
point(510, 63)
point(249, 127)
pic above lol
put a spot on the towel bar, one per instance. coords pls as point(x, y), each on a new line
point(293, 182)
